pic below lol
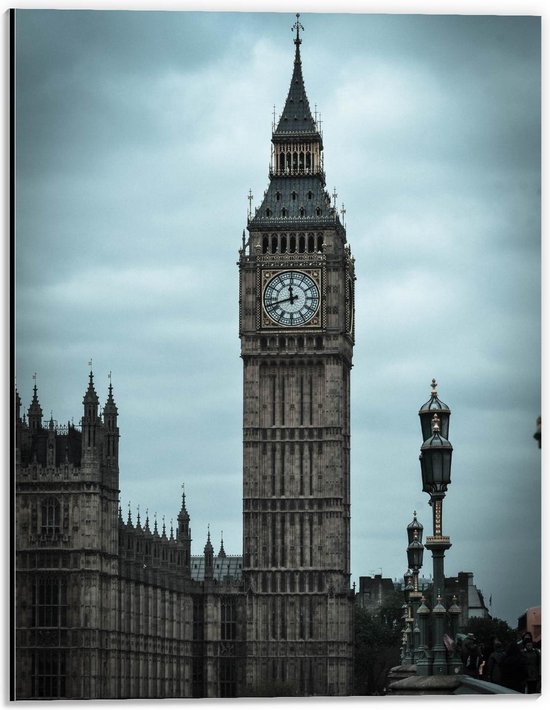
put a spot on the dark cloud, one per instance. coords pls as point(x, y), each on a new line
point(138, 138)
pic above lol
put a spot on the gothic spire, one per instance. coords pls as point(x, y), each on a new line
point(110, 406)
point(183, 514)
point(296, 118)
point(208, 548)
point(35, 410)
point(91, 396)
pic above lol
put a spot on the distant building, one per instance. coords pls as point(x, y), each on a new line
point(374, 591)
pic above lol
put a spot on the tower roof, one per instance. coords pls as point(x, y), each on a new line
point(434, 403)
point(91, 396)
point(35, 409)
point(183, 514)
point(296, 119)
point(110, 406)
point(208, 548)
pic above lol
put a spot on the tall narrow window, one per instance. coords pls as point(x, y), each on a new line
point(273, 541)
point(282, 400)
point(311, 540)
point(310, 450)
point(282, 477)
point(228, 620)
point(301, 400)
point(49, 602)
point(273, 400)
point(273, 471)
point(311, 399)
point(301, 469)
point(49, 671)
point(283, 545)
point(301, 543)
point(51, 517)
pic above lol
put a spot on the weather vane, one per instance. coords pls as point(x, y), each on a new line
point(297, 26)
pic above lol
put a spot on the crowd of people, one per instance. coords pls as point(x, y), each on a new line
point(516, 666)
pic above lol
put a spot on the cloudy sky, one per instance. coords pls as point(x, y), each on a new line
point(139, 136)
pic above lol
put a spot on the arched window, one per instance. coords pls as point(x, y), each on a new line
point(294, 195)
point(302, 212)
point(51, 517)
point(281, 162)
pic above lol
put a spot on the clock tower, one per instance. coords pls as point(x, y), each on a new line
point(296, 322)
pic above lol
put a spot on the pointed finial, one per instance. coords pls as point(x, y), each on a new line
point(434, 388)
point(155, 529)
point(147, 519)
point(221, 553)
point(297, 26)
point(250, 198)
point(334, 196)
point(138, 522)
point(163, 527)
point(171, 529)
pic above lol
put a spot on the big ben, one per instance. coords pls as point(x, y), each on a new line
point(296, 322)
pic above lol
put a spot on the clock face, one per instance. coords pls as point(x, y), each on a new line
point(291, 298)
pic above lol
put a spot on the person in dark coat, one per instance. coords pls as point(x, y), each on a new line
point(532, 660)
point(494, 673)
point(513, 667)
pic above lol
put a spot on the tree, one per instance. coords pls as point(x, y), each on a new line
point(487, 630)
point(377, 642)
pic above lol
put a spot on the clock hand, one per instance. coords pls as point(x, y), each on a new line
point(291, 298)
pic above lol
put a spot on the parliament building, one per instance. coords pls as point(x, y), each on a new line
point(107, 607)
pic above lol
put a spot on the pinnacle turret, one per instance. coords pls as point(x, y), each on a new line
point(35, 410)
point(110, 406)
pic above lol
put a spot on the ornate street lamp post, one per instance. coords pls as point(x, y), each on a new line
point(435, 462)
point(415, 554)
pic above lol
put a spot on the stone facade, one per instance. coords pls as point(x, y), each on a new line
point(107, 608)
point(296, 329)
